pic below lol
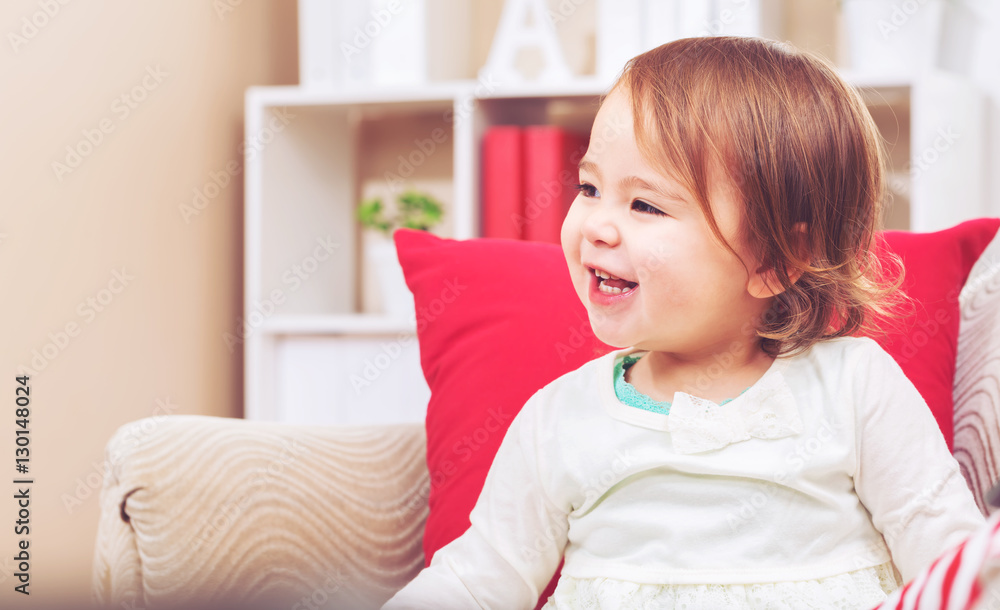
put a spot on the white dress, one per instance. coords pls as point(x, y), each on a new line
point(865, 587)
point(826, 484)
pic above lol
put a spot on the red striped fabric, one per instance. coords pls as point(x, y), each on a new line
point(958, 579)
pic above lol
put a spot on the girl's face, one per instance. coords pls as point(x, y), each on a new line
point(685, 292)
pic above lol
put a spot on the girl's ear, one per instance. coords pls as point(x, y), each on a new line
point(764, 282)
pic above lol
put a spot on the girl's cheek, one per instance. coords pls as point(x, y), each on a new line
point(566, 233)
point(655, 265)
point(571, 228)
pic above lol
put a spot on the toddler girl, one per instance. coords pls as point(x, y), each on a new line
point(742, 449)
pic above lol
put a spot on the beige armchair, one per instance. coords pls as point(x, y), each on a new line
point(206, 512)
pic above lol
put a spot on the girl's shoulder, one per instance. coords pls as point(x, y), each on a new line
point(584, 383)
point(845, 363)
point(844, 350)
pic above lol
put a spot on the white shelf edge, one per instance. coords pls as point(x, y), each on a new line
point(297, 95)
point(255, 387)
point(867, 81)
point(313, 96)
point(344, 324)
point(583, 86)
point(430, 92)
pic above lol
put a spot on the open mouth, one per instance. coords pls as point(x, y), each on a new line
point(610, 284)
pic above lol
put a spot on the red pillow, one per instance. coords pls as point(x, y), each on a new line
point(498, 319)
point(925, 344)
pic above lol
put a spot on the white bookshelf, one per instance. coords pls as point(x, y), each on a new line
point(303, 184)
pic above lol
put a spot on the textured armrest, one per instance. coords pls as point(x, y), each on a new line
point(977, 376)
point(210, 511)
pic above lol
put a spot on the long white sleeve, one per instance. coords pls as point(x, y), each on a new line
point(906, 477)
point(513, 547)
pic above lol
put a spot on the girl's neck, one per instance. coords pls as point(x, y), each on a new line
point(714, 376)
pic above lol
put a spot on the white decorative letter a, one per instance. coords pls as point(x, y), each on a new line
point(513, 33)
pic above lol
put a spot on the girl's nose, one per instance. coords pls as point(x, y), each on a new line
point(600, 226)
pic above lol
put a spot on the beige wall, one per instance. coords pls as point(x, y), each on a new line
point(159, 340)
point(156, 346)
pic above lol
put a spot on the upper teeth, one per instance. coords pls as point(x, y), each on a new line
point(605, 275)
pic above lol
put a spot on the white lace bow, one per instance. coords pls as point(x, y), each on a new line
point(767, 410)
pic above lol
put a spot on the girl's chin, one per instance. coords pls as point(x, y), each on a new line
point(611, 337)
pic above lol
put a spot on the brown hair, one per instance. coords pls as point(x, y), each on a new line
point(799, 146)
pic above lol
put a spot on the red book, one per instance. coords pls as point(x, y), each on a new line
point(551, 156)
point(502, 181)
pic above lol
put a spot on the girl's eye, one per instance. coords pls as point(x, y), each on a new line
point(588, 190)
point(642, 206)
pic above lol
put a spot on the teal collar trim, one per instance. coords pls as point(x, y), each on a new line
point(632, 397)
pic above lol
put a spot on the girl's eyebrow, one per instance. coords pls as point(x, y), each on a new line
point(636, 182)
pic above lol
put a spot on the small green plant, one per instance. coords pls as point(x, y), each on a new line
point(416, 211)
